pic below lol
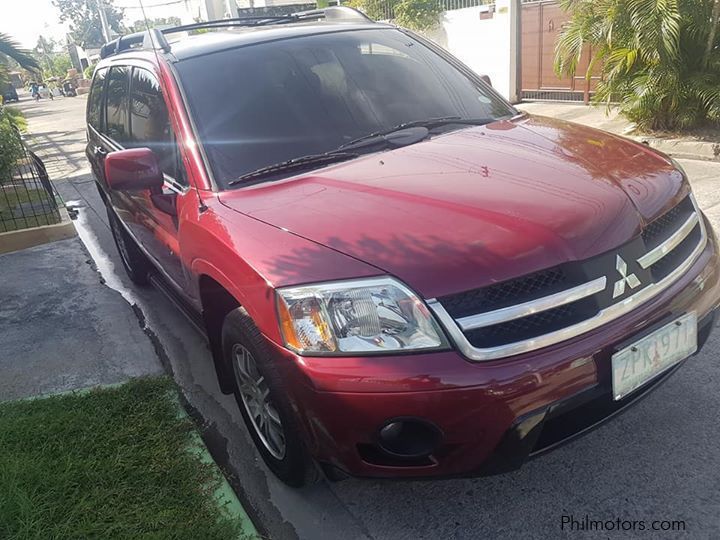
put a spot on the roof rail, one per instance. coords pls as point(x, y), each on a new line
point(237, 21)
point(154, 39)
point(151, 39)
point(332, 13)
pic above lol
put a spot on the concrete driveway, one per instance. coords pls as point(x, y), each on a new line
point(658, 461)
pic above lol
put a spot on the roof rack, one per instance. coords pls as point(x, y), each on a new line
point(154, 39)
point(151, 39)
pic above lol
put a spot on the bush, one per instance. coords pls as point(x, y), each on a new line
point(660, 61)
point(377, 10)
point(89, 71)
point(418, 14)
point(10, 145)
point(17, 117)
point(413, 14)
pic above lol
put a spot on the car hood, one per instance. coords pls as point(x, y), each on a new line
point(475, 206)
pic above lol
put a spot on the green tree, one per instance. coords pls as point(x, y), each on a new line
point(61, 64)
point(140, 26)
point(659, 59)
point(54, 60)
point(84, 18)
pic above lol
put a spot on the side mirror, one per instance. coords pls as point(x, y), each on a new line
point(486, 79)
point(132, 170)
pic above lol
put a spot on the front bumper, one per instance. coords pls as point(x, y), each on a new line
point(492, 415)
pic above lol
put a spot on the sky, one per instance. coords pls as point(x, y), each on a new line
point(26, 20)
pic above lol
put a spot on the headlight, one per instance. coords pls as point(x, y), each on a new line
point(360, 316)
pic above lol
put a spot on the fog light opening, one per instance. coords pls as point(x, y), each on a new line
point(409, 437)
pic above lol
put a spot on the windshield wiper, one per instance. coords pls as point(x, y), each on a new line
point(295, 164)
point(429, 123)
point(340, 153)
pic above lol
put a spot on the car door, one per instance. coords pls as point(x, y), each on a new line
point(136, 116)
point(151, 127)
point(95, 119)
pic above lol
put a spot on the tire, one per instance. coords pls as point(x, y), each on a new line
point(291, 463)
point(134, 261)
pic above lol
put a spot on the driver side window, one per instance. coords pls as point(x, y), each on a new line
point(150, 123)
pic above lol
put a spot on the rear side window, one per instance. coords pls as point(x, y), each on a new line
point(150, 121)
point(94, 107)
point(116, 119)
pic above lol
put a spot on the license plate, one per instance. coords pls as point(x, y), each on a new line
point(642, 361)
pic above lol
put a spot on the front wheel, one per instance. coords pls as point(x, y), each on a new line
point(260, 394)
point(134, 261)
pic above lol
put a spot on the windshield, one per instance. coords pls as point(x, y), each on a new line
point(268, 103)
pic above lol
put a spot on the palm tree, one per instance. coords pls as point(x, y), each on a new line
point(9, 48)
point(659, 59)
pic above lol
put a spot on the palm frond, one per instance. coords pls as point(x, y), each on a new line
point(652, 57)
point(10, 48)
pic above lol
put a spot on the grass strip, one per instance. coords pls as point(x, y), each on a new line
point(109, 463)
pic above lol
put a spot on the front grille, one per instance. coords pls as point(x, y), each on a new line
point(524, 328)
point(672, 260)
point(658, 230)
point(507, 293)
point(551, 305)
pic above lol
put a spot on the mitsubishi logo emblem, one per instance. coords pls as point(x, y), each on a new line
point(631, 280)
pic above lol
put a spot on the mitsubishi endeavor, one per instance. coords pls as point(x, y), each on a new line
point(398, 273)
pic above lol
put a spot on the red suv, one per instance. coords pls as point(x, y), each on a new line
point(399, 274)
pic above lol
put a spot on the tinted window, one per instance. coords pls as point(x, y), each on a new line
point(266, 103)
point(116, 119)
point(149, 120)
point(94, 104)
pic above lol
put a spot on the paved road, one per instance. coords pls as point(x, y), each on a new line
point(660, 460)
point(61, 328)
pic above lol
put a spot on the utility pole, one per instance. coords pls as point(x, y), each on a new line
point(103, 21)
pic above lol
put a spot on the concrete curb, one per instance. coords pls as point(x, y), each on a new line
point(35, 236)
point(596, 116)
point(225, 495)
point(684, 148)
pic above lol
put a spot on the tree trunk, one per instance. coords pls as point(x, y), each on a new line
point(715, 21)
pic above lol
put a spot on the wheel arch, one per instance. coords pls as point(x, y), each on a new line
point(217, 301)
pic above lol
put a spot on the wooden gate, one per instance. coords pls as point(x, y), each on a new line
point(540, 24)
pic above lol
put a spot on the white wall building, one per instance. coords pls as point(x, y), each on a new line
point(484, 38)
point(207, 10)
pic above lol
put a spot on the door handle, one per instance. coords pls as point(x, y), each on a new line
point(99, 151)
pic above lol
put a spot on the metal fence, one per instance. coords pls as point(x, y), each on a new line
point(449, 5)
point(553, 95)
point(275, 10)
point(384, 10)
point(377, 9)
point(27, 197)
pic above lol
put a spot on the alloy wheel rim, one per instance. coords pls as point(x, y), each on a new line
point(255, 395)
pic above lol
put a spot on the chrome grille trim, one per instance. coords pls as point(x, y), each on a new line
point(653, 256)
point(605, 316)
point(489, 318)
